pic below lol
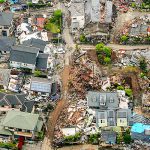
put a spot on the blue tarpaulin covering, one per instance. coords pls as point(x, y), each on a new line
point(139, 127)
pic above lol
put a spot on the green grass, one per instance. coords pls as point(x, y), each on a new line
point(52, 27)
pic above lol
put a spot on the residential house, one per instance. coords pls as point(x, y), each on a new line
point(102, 100)
point(109, 137)
point(6, 43)
point(42, 62)
point(92, 11)
point(40, 86)
point(22, 124)
point(77, 15)
point(37, 43)
point(15, 102)
point(106, 106)
point(23, 57)
point(6, 23)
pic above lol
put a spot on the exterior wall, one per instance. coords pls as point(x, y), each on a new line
point(122, 122)
point(102, 122)
point(80, 20)
point(22, 65)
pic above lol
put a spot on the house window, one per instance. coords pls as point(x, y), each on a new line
point(19, 129)
point(102, 121)
point(111, 100)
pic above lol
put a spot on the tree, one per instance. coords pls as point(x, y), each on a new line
point(57, 14)
point(99, 48)
point(124, 38)
point(143, 65)
point(128, 92)
point(107, 51)
point(82, 38)
point(107, 60)
point(127, 138)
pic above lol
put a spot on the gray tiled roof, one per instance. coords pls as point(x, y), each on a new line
point(110, 99)
point(6, 43)
point(41, 63)
point(5, 18)
point(24, 54)
point(16, 100)
point(35, 43)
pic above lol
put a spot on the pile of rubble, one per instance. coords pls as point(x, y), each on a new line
point(84, 76)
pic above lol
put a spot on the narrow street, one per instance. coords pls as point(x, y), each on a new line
point(65, 76)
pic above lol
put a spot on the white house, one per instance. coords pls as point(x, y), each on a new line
point(77, 15)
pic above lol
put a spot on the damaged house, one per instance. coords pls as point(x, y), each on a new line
point(77, 15)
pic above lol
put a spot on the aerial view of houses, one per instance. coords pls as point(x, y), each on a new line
point(75, 74)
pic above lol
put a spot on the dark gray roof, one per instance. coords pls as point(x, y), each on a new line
point(35, 43)
point(54, 88)
point(6, 43)
point(109, 137)
point(12, 100)
point(41, 63)
point(92, 11)
point(28, 106)
point(16, 100)
point(5, 18)
point(24, 54)
point(103, 100)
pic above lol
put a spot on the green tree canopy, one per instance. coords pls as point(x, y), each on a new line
point(57, 14)
point(124, 38)
point(107, 60)
point(143, 65)
point(128, 92)
point(107, 51)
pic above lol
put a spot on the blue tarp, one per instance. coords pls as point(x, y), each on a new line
point(139, 127)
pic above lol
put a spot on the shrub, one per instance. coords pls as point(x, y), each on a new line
point(128, 92)
point(120, 87)
point(143, 65)
point(72, 138)
point(37, 73)
point(93, 138)
point(124, 38)
point(127, 138)
point(82, 38)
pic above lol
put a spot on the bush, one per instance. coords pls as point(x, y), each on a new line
point(124, 38)
point(2, 1)
point(128, 92)
point(93, 139)
point(120, 87)
point(82, 38)
point(143, 65)
point(133, 4)
point(127, 138)
point(72, 138)
point(107, 51)
point(37, 73)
